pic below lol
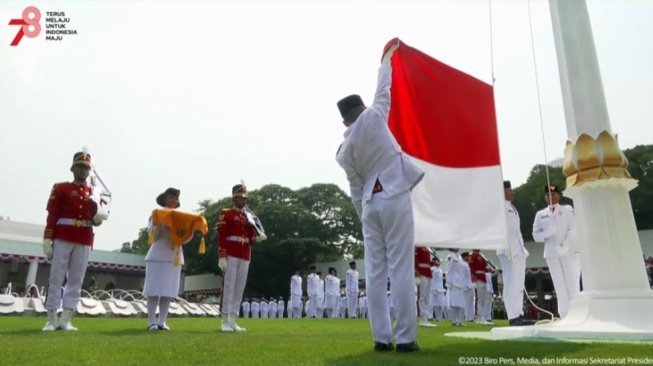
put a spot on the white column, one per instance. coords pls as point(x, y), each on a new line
point(616, 301)
point(31, 273)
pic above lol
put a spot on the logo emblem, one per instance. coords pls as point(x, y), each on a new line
point(25, 22)
point(181, 232)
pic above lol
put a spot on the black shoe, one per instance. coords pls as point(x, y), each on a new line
point(407, 347)
point(383, 347)
point(520, 321)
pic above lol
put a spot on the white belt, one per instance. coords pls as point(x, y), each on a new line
point(481, 272)
point(238, 239)
point(74, 222)
point(423, 265)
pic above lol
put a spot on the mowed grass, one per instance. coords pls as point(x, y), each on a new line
point(197, 341)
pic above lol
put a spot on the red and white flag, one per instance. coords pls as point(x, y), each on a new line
point(445, 122)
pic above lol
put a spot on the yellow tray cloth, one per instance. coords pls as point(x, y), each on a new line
point(182, 226)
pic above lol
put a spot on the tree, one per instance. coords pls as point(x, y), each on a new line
point(529, 197)
point(138, 246)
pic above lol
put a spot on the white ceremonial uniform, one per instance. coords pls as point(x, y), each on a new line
point(488, 305)
point(351, 285)
point(273, 309)
point(513, 265)
point(470, 311)
point(161, 276)
point(256, 308)
point(307, 305)
point(319, 306)
point(457, 283)
point(246, 309)
point(437, 293)
point(557, 231)
point(370, 153)
point(331, 286)
point(280, 308)
point(295, 297)
point(343, 306)
point(265, 309)
point(312, 283)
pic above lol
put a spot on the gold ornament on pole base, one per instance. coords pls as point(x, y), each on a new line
point(590, 160)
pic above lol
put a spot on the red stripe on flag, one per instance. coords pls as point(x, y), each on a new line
point(441, 115)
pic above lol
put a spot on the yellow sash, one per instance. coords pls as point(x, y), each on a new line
point(182, 226)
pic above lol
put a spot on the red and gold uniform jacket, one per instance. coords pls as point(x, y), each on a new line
point(70, 213)
point(477, 266)
point(235, 234)
point(423, 262)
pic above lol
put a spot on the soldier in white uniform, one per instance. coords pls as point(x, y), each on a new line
point(256, 308)
point(273, 308)
point(295, 302)
point(555, 226)
point(470, 298)
point(265, 308)
point(513, 263)
point(331, 286)
point(437, 291)
point(381, 178)
point(246, 308)
point(312, 283)
point(457, 284)
point(319, 305)
point(343, 305)
point(351, 285)
point(362, 306)
point(280, 307)
point(161, 275)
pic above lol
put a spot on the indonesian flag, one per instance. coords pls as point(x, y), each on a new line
point(445, 122)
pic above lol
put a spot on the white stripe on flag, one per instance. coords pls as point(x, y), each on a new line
point(459, 208)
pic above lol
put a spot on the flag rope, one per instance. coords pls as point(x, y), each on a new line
point(539, 101)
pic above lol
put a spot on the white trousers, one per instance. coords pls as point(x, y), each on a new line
point(352, 303)
point(233, 285)
point(470, 310)
point(483, 301)
point(514, 276)
point(424, 296)
point(319, 307)
point(565, 272)
point(280, 312)
point(388, 235)
point(312, 305)
point(69, 261)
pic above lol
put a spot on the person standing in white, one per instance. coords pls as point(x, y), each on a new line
point(513, 263)
point(437, 290)
point(256, 308)
point(295, 302)
point(265, 308)
point(312, 283)
point(246, 308)
point(381, 179)
point(331, 287)
point(351, 285)
point(555, 226)
point(470, 309)
point(162, 277)
point(457, 283)
point(319, 306)
point(273, 308)
point(280, 307)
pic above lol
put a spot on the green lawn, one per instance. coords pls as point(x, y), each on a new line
point(197, 341)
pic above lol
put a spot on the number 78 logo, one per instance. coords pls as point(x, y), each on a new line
point(25, 23)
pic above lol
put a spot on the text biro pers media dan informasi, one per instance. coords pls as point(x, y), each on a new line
point(555, 361)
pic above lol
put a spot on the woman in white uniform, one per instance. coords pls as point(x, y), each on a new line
point(161, 276)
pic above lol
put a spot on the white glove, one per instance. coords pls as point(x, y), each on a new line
point(551, 232)
point(448, 285)
point(474, 285)
point(261, 237)
point(388, 54)
point(47, 248)
point(222, 264)
point(417, 281)
point(99, 218)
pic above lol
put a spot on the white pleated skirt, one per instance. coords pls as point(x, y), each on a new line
point(161, 279)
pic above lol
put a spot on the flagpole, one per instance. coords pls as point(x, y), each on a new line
point(616, 301)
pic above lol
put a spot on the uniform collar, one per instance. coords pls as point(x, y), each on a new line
point(237, 209)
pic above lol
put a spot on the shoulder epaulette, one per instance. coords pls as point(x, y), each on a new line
point(226, 209)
